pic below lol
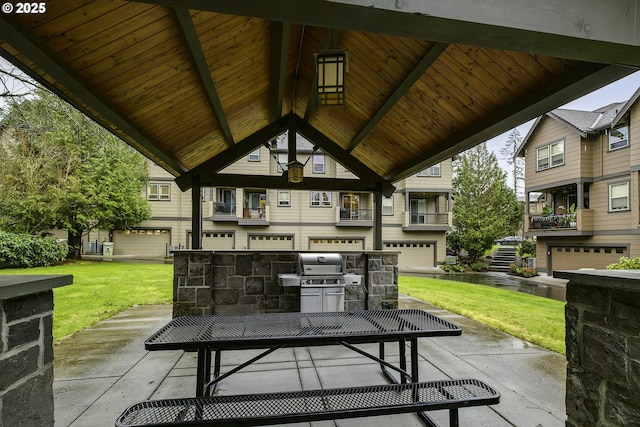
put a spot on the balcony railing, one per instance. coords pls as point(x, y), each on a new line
point(356, 214)
point(222, 208)
point(553, 222)
point(249, 213)
point(429, 219)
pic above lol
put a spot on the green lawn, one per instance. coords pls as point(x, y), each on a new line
point(535, 319)
point(102, 289)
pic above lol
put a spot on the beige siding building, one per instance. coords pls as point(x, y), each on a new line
point(581, 170)
point(415, 218)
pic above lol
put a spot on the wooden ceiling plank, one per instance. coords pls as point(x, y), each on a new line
point(187, 30)
point(111, 27)
point(40, 55)
point(432, 55)
point(127, 51)
point(561, 41)
point(582, 80)
point(232, 154)
point(279, 54)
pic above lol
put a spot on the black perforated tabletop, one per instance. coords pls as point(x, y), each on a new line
point(297, 329)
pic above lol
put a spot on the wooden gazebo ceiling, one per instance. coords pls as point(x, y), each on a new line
point(194, 85)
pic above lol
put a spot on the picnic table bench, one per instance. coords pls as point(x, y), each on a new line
point(207, 334)
point(312, 405)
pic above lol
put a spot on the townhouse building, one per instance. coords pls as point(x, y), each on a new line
point(581, 181)
point(415, 218)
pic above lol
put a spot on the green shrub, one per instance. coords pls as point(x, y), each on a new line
point(452, 268)
point(527, 249)
point(522, 271)
point(20, 250)
point(479, 266)
point(625, 263)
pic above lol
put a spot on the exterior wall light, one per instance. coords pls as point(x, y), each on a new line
point(295, 171)
point(331, 68)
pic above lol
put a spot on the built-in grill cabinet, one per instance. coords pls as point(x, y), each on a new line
point(322, 281)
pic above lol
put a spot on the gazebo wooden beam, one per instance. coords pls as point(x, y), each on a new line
point(187, 30)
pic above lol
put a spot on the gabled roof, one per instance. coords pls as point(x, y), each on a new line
point(584, 122)
point(196, 84)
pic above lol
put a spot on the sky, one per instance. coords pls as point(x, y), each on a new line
point(618, 91)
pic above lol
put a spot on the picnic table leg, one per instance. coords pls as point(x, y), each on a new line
point(203, 371)
point(402, 350)
point(415, 377)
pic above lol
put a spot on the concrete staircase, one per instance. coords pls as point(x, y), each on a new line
point(502, 257)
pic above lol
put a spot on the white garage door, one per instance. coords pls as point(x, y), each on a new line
point(218, 240)
point(152, 242)
point(335, 245)
point(414, 254)
point(281, 242)
point(574, 258)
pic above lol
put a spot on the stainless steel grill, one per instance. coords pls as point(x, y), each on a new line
point(322, 280)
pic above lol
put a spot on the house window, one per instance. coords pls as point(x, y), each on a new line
point(387, 205)
point(619, 196)
point(431, 171)
point(283, 159)
point(159, 192)
point(318, 163)
point(254, 156)
point(284, 198)
point(321, 198)
point(350, 207)
point(550, 156)
point(226, 201)
point(619, 137)
point(418, 211)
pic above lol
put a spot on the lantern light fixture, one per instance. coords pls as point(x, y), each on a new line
point(331, 69)
point(295, 171)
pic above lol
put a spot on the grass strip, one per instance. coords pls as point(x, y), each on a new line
point(102, 289)
point(532, 318)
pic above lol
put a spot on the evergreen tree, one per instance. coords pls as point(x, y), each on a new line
point(516, 163)
point(63, 171)
point(485, 208)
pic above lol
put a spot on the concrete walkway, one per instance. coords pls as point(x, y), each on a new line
point(99, 372)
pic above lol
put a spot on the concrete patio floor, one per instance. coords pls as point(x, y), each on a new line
point(99, 372)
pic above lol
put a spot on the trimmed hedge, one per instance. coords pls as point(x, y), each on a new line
point(21, 250)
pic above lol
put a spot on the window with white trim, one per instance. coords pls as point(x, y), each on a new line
point(159, 192)
point(284, 198)
point(318, 163)
point(254, 156)
point(283, 159)
point(619, 196)
point(550, 156)
point(387, 205)
point(619, 137)
point(431, 171)
point(321, 198)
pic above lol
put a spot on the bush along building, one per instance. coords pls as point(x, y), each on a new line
point(415, 218)
point(582, 186)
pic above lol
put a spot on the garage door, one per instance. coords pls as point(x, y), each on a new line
point(418, 254)
point(151, 242)
point(574, 257)
point(334, 245)
point(281, 242)
point(218, 240)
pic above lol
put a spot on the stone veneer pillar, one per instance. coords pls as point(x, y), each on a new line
point(235, 282)
point(26, 349)
point(603, 347)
